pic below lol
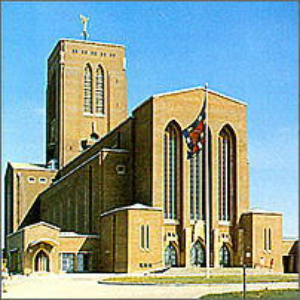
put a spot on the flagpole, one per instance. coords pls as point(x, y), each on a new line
point(207, 194)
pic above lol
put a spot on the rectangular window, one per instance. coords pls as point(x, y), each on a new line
point(265, 239)
point(270, 244)
point(83, 260)
point(68, 262)
point(147, 237)
point(142, 236)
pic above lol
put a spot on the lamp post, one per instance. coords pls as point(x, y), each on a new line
point(246, 254)
point(244, 280)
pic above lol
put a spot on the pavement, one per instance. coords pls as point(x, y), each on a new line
point(86, 286)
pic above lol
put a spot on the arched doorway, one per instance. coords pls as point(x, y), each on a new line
point(224, 256)
point(170, 256)
point(198, 255)
point(41, 263)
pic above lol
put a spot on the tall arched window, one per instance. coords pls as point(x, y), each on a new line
point(172, 170)
point(88, 90)
point(197, 199)
point(197, 183)
point(227, 174)
point(99, 90)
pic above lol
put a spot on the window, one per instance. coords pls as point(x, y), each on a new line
point(226, 180)
point(172, 170)
point(197, 183)
point(192, 215)
point(147, 237)
point(197, 197)
point(83, 260)
point(267, 239)
point(142, 234)
point(144, 237)
point(88, 96)
point(42, 180)
point(68, 262)
point(99, 91)
point(31, 179)
point(121, 170)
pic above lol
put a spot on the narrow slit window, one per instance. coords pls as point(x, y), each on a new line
point(142, 236)
point(147, 237)
point(270, 240)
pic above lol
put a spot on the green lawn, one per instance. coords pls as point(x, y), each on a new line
point(264, 294)
point(202, 279)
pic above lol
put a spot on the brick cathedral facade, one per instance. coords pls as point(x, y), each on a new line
point(118, 194)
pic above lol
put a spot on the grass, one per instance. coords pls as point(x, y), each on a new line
point(263, 294)
point(202, 279)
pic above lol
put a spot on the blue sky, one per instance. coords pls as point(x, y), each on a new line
point(243, 49)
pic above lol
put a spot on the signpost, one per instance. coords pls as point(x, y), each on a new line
point(244, 281)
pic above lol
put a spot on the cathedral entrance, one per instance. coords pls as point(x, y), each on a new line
point(170, 256)
point(41, 262)
point(198, 255)
point(224, 256)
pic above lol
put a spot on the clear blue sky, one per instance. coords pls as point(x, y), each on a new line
point(246, 50)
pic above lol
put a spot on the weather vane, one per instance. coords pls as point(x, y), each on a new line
point(84, 21)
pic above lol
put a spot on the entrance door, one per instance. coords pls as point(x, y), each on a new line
point(170, 256)
point(42, 262)
point(197, 255)
point(224, 256)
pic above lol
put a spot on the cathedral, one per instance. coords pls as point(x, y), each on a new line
point(118, 192)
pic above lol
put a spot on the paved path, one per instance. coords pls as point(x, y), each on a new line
point(81, 286)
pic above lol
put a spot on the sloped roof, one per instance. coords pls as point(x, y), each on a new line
point(257, 210)
point(137, 206)
point(210, 91)
point(200, 88)
point(29, 166)
point(41, 223)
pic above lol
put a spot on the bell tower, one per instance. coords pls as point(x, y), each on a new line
point(86, 96)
